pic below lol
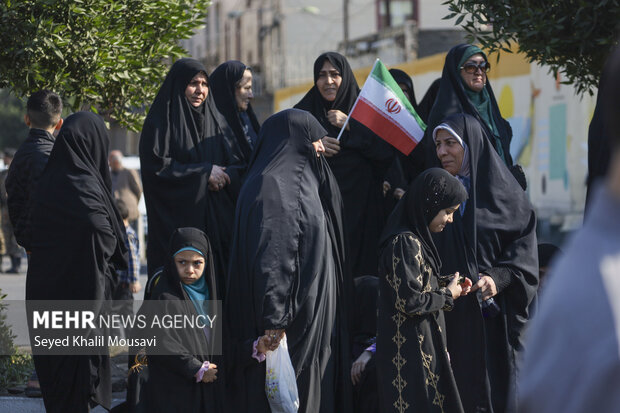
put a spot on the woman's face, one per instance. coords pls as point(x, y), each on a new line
point(405, 90)
point(329, 81)
point(243, 92)
point(449, 151)
point(443, 218)
point(197, 90)
point(318, 147)
point(476, 80)
point(190, 266)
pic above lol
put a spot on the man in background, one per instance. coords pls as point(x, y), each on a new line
point(125, 186)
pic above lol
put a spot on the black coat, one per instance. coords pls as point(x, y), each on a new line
point(287, 267)
point(22, 179)
point(179, 145)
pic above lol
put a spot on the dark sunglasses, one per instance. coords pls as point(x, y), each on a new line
point(471, 67)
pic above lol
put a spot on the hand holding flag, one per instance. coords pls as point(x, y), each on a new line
point(384, 109)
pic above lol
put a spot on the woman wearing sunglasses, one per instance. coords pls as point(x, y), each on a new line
point(465, 88)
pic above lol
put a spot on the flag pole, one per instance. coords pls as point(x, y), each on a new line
point(355, 104)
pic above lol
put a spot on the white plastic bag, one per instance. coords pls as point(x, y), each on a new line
point(280, 381)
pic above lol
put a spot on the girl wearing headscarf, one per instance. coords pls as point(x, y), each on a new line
point(359, 161)
point(231, 84)
point(465, 88)
point(493, 242)
point(287, 273)
point(77, 243)
point(413, 365)
point(186, 379)
point(190, 165)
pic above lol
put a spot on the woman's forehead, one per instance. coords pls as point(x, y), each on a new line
point(328, 66)
point(478, 57)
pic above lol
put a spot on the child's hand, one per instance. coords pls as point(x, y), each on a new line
point(274, 338)
point(211, 374)
point(135, 287)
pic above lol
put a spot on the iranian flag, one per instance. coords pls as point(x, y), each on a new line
point(384, 109)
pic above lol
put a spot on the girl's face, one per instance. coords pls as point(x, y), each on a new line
point(197, 90)
point(443, 218)
point(190, 266)
point(243, 92)
point(449, 151)
point(329, 81)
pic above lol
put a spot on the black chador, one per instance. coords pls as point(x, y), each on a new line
point(495, 236)
point(359, 167)
point(77, 242)
point(179, 145)
point(286, 268)
point(171, 384)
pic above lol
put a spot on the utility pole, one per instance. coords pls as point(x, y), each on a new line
point(345, 22)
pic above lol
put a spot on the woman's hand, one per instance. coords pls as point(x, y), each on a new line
point(274, 339)
point(332, 146)
point(211, 374)
point(359, 365)
point(218, 178)
point(337, 118)
point(486, 285)
point(457, 289)
point(386, 187)
point(398, 193)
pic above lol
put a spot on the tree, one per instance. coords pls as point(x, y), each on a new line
point(14, 130)
point(573, 37)
point(107, 55)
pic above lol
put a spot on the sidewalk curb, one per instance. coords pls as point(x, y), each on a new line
point(15, 404)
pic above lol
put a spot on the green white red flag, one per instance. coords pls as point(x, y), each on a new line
point(384, 109)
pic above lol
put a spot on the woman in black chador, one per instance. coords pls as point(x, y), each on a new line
point(413, 365)
point(77, 241)
point(231, 84)
point(186, 379)
point(493, 242)
point(190, 165)
point(359, 161)
point(286, 270)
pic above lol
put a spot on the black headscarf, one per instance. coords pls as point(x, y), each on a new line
point(433, 190)
point(223, 86)
point(426, 104)
point(453, 98)
point(182, 238)
point(179, 145)
point(403, 78)
point(314, 103)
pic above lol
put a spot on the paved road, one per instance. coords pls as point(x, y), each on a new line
point(14, 286)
